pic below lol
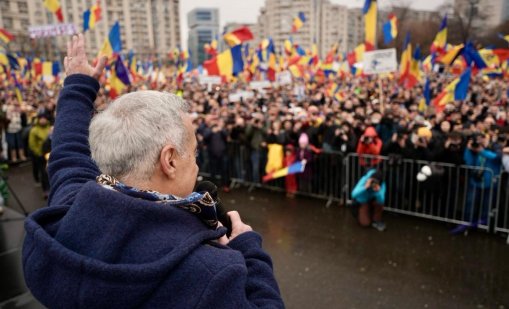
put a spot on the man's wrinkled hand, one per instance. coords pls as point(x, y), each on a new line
point(76, 61)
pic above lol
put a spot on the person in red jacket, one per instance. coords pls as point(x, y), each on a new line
point(369, 144)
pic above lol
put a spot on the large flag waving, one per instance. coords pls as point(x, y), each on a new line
point(54, 7)
point(113, 43)
point(440, 41)
point(390, 29)
point(238, 36)
point(227, 63)
point(91, 16)
point(456, 90)
point(298, 22)
point(370, 16)
point(295, 168)
point(6, 36)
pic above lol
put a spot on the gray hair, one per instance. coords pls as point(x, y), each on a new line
point(126, 139)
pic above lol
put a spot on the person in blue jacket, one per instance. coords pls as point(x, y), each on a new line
point(369, 195)
point(123, 227)
point(489, 162)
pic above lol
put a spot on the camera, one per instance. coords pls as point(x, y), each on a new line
point(367, 140)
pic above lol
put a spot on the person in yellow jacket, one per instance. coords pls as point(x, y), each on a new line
point(38, 134)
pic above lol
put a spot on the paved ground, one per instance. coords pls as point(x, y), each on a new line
point(324, 260)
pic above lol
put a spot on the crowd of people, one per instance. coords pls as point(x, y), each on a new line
point(374, 116)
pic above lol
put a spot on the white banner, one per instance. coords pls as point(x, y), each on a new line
point(260, 85)
point(44, 31)
point(380, 61)
point(212, 79)
point(284, 78)
point(236, 97)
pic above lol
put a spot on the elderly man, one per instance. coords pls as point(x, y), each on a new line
point(124, 228)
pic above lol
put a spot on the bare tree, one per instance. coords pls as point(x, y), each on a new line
point(466, 19)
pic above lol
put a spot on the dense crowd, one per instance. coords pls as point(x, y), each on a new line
point(374, 116)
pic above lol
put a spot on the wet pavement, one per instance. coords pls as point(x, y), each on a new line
point(322, 259)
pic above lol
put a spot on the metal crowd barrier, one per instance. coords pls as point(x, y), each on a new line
point(463, 194)
point(322, 177)
point(455, 194)
point(502, 211)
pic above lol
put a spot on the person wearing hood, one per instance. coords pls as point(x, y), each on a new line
point(123, 227)
point(369, 145)
point(38, 135)
point(369, 195)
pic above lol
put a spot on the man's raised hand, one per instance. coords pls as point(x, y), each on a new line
point(76, 61)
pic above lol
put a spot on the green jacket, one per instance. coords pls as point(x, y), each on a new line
point(38, 135)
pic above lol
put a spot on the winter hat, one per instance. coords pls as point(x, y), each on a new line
point(303, 140)
point(424, 132)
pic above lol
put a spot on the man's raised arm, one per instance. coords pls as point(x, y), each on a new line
point(70, 164)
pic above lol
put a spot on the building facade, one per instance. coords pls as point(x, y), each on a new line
point(326, 24)
point(203, 24)
point(148, 28)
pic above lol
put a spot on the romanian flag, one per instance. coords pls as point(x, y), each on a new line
point(471, 55)
point(428, 63)
point(289, 48)
point(4, 61)
point(298, 22)
point(357, 55)
point(415, 72)
point(296, 70)
point(227, 63)
point(297, 167)
point(456, 90)
point(390, 29)
point(238, 36)
point(119, 78)
point(54, 7)
point(211, 48)
point(406, 56)
point(332, 54)
point(91, 16)
point(275, 155)
point(370, 16)
point(450, 55)
point(440, 42)
point(6, 36)
point(409, 67)
point(267, 56)
point(185, 64)
point(17, 87)
point(113, 43)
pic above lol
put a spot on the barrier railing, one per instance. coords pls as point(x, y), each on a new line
point(322, 177)
point(455, 194)
point(502, 211)
point(465, 195)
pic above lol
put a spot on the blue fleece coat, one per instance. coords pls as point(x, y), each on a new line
point(362, 195)
point(98, 248)
point(486, 159)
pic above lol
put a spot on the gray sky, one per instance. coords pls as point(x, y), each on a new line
point(247, 11)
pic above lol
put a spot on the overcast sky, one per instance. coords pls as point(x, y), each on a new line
point(247, 11)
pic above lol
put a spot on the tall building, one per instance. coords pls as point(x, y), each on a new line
point(276, 20)
point(333, 27)
point(326, 24)
point(203, 24)
point(489, 13)
point(147, 27)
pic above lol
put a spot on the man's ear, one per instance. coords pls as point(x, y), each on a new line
point(167, 159)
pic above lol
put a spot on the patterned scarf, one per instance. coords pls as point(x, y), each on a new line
point(199, 204)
